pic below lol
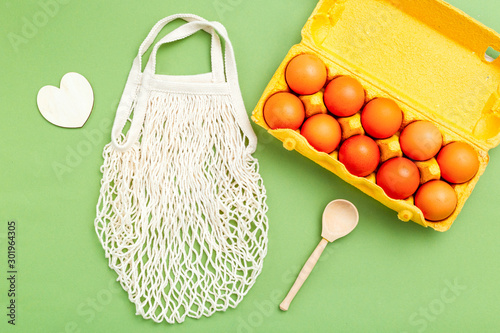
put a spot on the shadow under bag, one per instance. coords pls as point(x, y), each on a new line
point(182, 208)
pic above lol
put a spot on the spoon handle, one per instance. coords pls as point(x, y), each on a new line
point(304, 273)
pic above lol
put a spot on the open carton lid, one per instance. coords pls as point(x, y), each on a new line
point(425, 53)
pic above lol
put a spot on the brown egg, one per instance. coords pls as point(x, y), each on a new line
point(421, 140)
point(458, 162)
point(436, 199)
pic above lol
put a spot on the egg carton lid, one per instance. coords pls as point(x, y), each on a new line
point(426, 54)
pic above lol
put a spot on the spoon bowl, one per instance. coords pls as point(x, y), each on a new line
point(340, 217)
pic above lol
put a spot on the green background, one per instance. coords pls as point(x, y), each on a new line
point(387, 276)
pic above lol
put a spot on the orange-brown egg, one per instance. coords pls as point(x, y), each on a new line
point(306, 74)
point(399, 178)
point(436, 199)
point(344, 96)
point(323, 132)
point(421, 140)
point(284, 110)
point(360, 155)
point(381, 118)
point(458, 161)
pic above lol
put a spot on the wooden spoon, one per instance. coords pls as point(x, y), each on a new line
point(340, 217)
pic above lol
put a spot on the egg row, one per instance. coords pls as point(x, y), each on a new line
point(409, 160)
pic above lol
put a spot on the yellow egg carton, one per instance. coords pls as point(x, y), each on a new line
point(427, 56)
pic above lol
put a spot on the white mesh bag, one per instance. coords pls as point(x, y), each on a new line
point(182, 208)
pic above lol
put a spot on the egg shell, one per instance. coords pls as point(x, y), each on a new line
point(437, 200)
point(306, 74)
point(421, 140)
point(458, 162)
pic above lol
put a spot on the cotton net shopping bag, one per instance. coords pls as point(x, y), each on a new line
point(182, 208)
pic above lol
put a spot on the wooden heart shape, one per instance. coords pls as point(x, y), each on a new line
point(69, 106)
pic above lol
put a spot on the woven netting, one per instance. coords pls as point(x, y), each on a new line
point(182, 213)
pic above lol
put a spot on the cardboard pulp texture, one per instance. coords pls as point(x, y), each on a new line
point(427, 56)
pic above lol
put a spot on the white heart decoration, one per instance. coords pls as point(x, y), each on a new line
point(69, 106)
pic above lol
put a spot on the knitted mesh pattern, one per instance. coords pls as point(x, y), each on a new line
point(182, 213)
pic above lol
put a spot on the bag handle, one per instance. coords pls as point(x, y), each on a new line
point(216, 48)
point(129, 97)
point(229, 69)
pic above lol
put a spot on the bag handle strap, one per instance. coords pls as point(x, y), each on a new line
point(134, 80)
point(229, 69)
point(216, 49)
